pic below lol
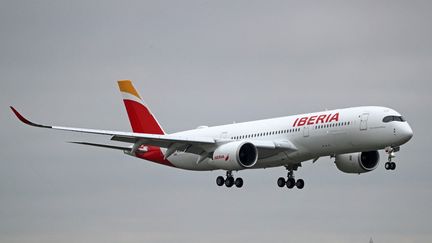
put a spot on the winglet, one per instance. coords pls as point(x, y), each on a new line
point(24, 120)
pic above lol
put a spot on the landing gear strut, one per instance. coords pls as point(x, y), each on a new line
point(390, 165)
point(290, 182)
point(229, 181)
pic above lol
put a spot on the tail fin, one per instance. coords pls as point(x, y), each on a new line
point(140, 116)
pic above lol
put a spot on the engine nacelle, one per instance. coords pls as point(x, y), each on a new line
point(357, 162)
point(235, 156)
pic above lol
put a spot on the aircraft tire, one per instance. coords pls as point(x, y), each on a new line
point(290, 183)
point(281, 182)
point(220, 181)
point(300, 183)
point(387, 166)
point(229, 182)
point(238, 182)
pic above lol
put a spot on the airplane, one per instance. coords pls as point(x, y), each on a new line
point(352, 136)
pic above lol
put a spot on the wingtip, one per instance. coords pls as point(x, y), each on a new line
point(19, 116)
point(25, 120)
point(13, 109)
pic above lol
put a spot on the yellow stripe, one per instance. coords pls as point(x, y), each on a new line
point(127, 86)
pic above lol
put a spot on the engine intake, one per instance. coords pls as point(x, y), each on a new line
point(235, 156)
point(361, 162)
point(247, 155)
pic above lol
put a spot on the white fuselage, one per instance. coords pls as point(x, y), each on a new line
point(314, 135)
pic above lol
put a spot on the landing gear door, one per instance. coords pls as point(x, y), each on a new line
point(363, 121)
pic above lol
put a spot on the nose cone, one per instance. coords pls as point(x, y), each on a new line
point(406, 133)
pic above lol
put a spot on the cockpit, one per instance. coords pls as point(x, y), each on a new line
point(393, 118)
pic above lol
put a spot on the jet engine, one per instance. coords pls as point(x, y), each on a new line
point(235, 156)
point(361, 162)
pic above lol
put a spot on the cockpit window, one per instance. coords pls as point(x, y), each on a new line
point(393, 118)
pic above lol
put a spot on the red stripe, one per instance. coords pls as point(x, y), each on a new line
point(154, 154)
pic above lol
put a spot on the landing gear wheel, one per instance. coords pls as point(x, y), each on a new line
point(300, 184)
point(290, 183)
point(229, 182)
point(238, 182)
point(387, 165)
point(281, 182)
point(220, 180)
point(390, 166)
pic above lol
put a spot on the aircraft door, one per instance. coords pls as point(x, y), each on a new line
point(363, 121)
point(305, 131)
point(224, 135)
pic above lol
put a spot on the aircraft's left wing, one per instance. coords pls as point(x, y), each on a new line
point(149, 139)
point(195, 145)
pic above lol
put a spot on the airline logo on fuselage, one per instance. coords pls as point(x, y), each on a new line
point(317, 119)
point(221, 157)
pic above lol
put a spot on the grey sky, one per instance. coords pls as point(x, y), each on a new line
point(207, 63)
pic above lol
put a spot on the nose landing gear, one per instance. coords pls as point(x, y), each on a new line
point(229, 181)
point(290, 182)
point(390, 165)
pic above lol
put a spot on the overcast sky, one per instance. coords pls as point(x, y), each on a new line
point(208, 63)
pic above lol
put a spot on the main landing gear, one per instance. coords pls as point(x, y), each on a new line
point(290, 182)
point(390, 165)
point(229, 181)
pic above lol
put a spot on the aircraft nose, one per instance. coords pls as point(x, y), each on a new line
point(406, 132)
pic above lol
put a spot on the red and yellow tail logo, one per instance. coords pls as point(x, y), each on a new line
point(140, 117)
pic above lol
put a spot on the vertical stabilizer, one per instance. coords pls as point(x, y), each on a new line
point(140, 116)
